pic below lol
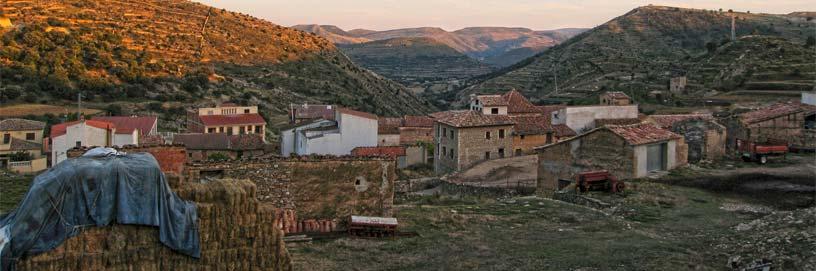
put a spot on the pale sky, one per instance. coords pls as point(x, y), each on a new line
point(456, 14)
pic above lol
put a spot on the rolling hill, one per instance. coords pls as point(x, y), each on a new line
point(641, 50)
point(165, 56)
point(414, 60)
point(331, 33)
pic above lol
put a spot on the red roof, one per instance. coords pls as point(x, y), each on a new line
point(667, 121)
point(639, 134)
point(388, 126)
point(775, 111)
point(240, 119)
point(517, 103)
point(357, 113)
point(391, 151)
point(539, 124)
point(418, 121)
point(61, 129)
point(126, 125)
point(492, 100)
point(313, 111)
point(469, 118)
point(220, 141)
point(605, 122)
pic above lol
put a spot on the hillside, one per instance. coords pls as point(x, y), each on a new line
point(414, 60)
point(640, 51)
point(165, 56)
point(332, 33)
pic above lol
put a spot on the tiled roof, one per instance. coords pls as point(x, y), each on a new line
point(644, 133)
point(562, 130)
point(391, 151)
point(491, 100)
point(412, 135)
point(357, 113)
point(388, 126)
point(539, 124)
point(219, 141)
point(469, 118)
point(23, 145)
point(667, 121)
point(125, 124)
point(775, 111)
point(604, 122)
point(517, 103)
point(418, 121)
point(21, 125)
point(616, 95)
point(313, 111)
point(60, 129)
point(240, 119)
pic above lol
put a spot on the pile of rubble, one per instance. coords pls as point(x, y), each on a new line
point(784, 239)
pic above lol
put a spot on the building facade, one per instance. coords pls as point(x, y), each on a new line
point(349, 130)
point(83, 133)
point(582, 118)
point(677, 85)
point(227, 119)
point(201, 147)
point(22, 136)
point(464, 138)
point(615, 98)
point(704, 136)
point(791, 122)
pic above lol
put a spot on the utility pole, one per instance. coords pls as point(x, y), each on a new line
point(79, 105)
point(733, 27)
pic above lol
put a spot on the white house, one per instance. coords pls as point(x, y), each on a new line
point(809, 98)
point(65, 136)
point(582, 118)
point(349, 130)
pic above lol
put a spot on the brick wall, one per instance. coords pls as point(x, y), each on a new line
point(600, 150)
point(237, 232)
point(171, 158)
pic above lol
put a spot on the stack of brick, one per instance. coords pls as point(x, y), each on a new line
point(288, 222)
point(236, 233)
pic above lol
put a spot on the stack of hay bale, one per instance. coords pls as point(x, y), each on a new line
point(237, 233)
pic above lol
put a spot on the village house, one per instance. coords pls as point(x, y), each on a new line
point(22, 136)
point(394, 152)
point(299, 113)
point(202, 147)
point(809, 97)
point(85, 133)
point(463, 138)
point(615, 98)
point(349, 129)
point(534, 131)
point(227, 119)
point(791, 122)
point(388, 131)
point(677, 85)
point(510, 103)
point(416, 129)
point(629, 151)
point(582, 118)
point(146, 128)
point(703, 135)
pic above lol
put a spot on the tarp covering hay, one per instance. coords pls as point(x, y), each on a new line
point(97, 191)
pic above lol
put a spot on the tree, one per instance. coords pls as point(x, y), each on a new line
point(810, 41)
point(114, 110)
point(218, 157)
point(20, 156)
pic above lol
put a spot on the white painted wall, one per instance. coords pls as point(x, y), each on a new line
point(289, 137)
point(388, 140)
point(488, 110)
point(86, 134)
point(809, 98)
point(126, 139)
point(582, 118)
point(641, 162)
point(353, 132)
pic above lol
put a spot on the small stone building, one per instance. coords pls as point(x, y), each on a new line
point(201, 147)
point(535, 131)
point(677, 85)
point(703, 135)
point(463, 138)
point(792, 122)
point(628, 151)
point(615, 98)
point(388, 131)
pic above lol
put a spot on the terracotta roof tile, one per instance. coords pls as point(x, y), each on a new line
point(357, 113)
point(605, 122)
point(126, 124)
point(469, 118)
point(23, 145)
point(644, 133)
point(219, 141)
point(491, 100)
point(391, 151)
point(774, 111)
point(313, 111)
point(539, 124)
point(240, 119)
point(60, 129)
point(21, 125)
point(667, 121)
point(388, 126)
point(418, 121)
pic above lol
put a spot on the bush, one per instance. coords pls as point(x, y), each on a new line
point(20, 156)
point(114, 110)
point(218, 157)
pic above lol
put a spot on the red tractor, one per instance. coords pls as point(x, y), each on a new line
point(598, 180)
point(760, 152)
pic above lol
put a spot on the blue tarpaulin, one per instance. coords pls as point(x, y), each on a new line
point(97, 191)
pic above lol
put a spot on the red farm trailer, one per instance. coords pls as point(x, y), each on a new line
point(760, 152)
point(598, 180)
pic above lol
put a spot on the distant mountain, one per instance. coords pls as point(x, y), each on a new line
point(163, 56)
point(414, 60)
point(332, 33)
point(640, 51)
point(482, 43)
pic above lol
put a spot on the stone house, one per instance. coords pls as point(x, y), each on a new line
point(227, 119)
point(201, 147)
point(310, 112)
point(677, 85)
point(792, 122)
point(703, 135)
point(531, 131)
point(615, 98)
point(628, 151)
point(416, 129)
point(349, 129)
point(463, 138)
point(388, 131)
point(22, 136)
point(397, 153)
point(510, 103)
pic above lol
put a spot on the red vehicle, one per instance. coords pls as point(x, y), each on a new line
point(598, 180)
point(760, 152)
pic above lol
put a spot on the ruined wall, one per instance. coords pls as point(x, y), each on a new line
point(599, 150)
point(237, 233)
point(171, 158)
point(315, 187)
point(705, 139)
point(789, 128)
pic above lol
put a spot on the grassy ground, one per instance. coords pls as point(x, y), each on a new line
point(22, 110)
point(654, 227)
point(12, 190)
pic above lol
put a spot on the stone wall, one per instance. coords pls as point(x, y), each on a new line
point(171, 158)
point(237, 232)
point(315, 187)
point(530, 142)
point(600, 150)
point(789, 128)
point(705, 139)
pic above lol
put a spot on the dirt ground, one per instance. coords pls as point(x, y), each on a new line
point(508, 172)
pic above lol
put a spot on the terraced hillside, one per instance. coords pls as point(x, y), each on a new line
point(640, 51)
point(414, 60)
point(331, 33)
point(163, 56)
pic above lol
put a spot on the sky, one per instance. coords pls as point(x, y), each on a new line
point(456, 14)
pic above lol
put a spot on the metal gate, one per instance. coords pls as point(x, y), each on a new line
point(656, 157)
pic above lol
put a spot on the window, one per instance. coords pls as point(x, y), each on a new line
point(229, 130)
point(451, 153)
point(30, 136)
point(444, 151)
point(6, 138)
point(487, 135)
point(522, 137)
point(79, 144)
point(487, 155)
point(257, 129)
point(501, 133)
point(451, 134)
point(549, 138)
point(211, 130)
point(501, 153)
point(444, 132)
point(242, 130)
point(494, 111)
point(246, 111)
point(221, 130)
